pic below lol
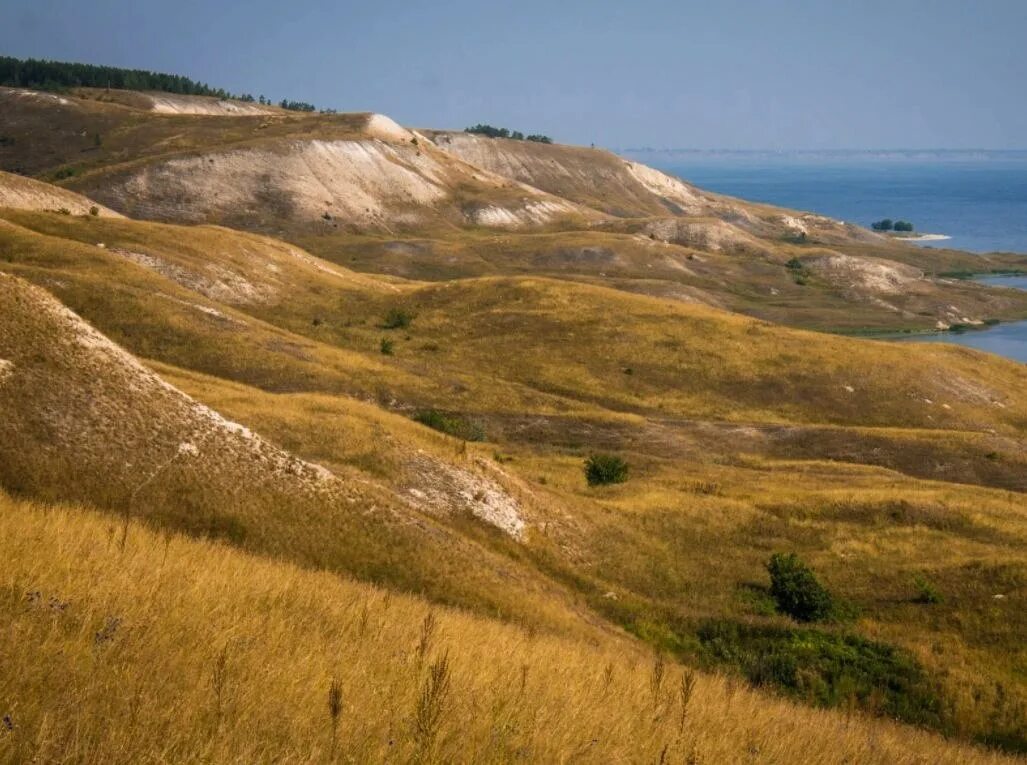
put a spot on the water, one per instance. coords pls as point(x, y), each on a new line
point(977, 198)
point(1009, 340)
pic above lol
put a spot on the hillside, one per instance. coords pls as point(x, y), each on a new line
point(130, 442)
point(366, 193)
point(20, 193)
point(317, 375)
point(92, 622)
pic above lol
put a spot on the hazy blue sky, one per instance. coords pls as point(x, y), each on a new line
point(716, 73)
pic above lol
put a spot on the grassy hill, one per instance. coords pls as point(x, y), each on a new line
point(364, 192)
point(408, 402)
point(415, 682)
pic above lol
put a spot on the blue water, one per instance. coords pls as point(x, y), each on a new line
point(977, 198)
point(1009, 340)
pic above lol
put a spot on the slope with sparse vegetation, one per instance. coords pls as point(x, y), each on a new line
point(566, 427)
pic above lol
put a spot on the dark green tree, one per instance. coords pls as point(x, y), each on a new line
point(795, 589)
point(602, 469)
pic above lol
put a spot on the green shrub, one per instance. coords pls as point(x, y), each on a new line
point(882, 225)
point(826, 669)
point(794, 264)
point(94, 211)
point(397, 318)
point(65, 172)
point(451, 424)
point(926, 592)
point(903, 225)
point(796, 590)
point(386, 346)
point(602, 469)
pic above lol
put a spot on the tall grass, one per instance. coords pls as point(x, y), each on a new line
point(281, 636)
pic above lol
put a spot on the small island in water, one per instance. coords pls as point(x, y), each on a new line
point(901, 229)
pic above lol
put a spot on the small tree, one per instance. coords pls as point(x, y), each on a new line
point(397, 318)
point(882, 225)
point(795, 589)
point(903, 225)
point(926, 592)
point(602, 469)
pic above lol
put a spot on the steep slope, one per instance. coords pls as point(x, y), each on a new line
point(368, 183)
point(76, 404)
point(22, 193)
point(628, 189)
point(364, 192)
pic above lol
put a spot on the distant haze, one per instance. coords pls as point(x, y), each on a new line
point(727, 74)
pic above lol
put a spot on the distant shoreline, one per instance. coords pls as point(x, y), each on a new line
point(921, 237)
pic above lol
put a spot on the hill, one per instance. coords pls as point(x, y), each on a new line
point(361, 191)
point(93, 621)
point(330, 422)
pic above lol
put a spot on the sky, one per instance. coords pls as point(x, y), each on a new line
point(732, 74)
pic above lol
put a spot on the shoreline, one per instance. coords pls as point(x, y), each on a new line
point(922, 237)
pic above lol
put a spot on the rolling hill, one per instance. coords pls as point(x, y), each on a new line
point(322, 375)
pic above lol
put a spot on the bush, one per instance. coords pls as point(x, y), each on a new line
point(794, 265)
point(94, 211)
point(903, 225)
point(451, 424)
point(602, 469)
point(397, 318)
point(796, 590)
point(826, 669)
point(926, 592)
point(882, 225)
point(386, 346)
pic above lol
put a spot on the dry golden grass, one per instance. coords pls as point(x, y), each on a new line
point(713, 399)
point(175, 650)
point(685, 540)
point(744, 438)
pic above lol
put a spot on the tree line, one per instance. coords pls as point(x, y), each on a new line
point(498, 132)
point(60, 76)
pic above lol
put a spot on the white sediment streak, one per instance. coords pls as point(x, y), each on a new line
point(924, 238)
